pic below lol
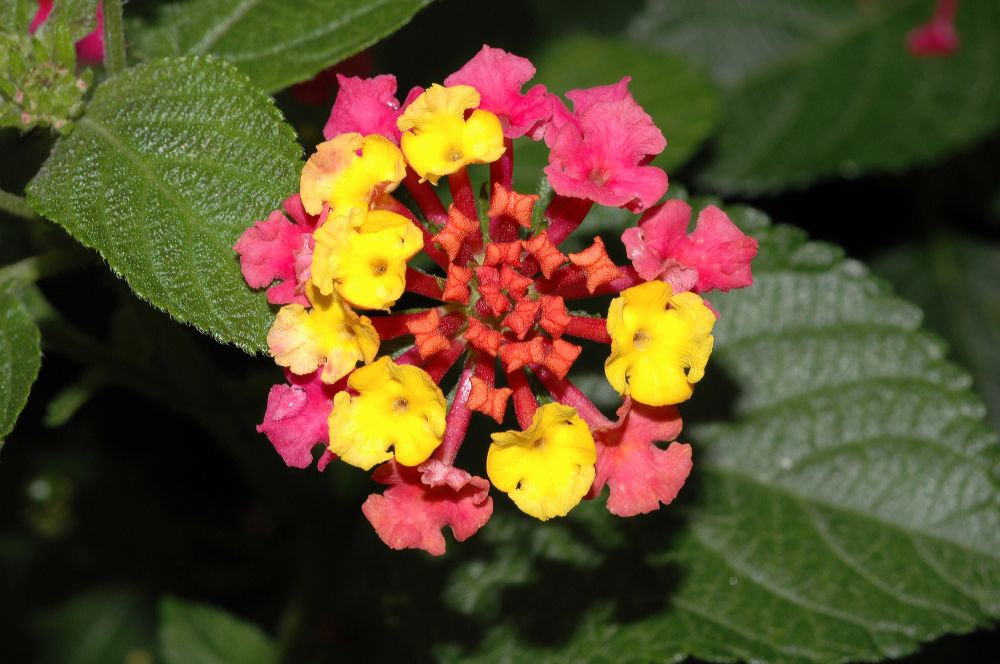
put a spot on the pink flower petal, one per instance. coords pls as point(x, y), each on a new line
point(639, 474)
point(277, 249)
point(366, 106)
point(499, 77)
point(296, 418)
point(89, 49)
point(716, 255)
point(936, 38)
point(419, 502)
point(599, 152)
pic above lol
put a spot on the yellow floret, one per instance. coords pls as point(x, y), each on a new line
point(548, 468)
point(350, 171)
point(398, 411)
point(437, 138)
point(658, 353)
point(363, 257)
point(330, 335)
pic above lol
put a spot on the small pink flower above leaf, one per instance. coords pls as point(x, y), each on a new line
point(716, 255)
point(499, 77)
point(639, 474)
point(599, 151)
point(279, 250)
point(421, 501)
point(364, 106)
point(296, 419)
point(90, 48)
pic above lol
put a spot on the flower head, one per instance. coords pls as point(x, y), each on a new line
point(491, 321)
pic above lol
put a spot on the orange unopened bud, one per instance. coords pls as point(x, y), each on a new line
point(547, 254)
point(488, 399)
point(555, 317)
point(426, 330)
point(523, 317)
point(503, 252)
point(512, 204)
point(456, 286)
point(484, 338)
point(490, 290)
point(596, 265)
point(456, 230)
point(560, 357)
point(519, 354)
point(514, 282)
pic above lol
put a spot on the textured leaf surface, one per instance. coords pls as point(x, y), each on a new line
point(275, 42)
point(956, 281)
point(829, 88)
point(20, 358)
point(171, 163)
point(197, 634)
point(844, 508)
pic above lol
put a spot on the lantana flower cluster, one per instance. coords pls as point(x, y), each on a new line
point(499, 302)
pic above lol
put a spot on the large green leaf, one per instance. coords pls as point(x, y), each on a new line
point(956, 281)
point(275, 42)
point(828, 88)
point(108, 625)
point(197, 634)
point(843, 504)
point(20, 358)
point(171, 163)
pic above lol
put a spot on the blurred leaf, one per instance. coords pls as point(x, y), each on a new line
point(843, 504)
point(96, 628)
point(678, 95)
point(70, 399)
point(275, 43)
point(193, 633)
point(20, 358)
point(956, 281)
point(829, 88)
point(172, 162)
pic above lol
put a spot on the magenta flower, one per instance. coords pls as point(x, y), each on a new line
point(499, 77)
point(296, 419)
point(280, 251)
point(937, 37)
point(89, 49)
point(600, 150)
point(716, 255)
point(366, 106)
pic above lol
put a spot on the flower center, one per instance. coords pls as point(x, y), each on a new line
point(379, 267)
point(400, 405)
point(454, 154)
point(640, 339)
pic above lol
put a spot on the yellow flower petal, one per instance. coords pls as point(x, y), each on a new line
point(365, 262)
point(328, 335)
point(350, 171)
point(398, 411)
point(548, 468)
point(660, 343)
point(437, 139)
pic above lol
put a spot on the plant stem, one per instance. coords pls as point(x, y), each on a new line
point(114, 37)
point(16, 205)
point(33, 268)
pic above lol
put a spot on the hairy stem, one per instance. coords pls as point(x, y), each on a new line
point(114, 37)
point(16, 206)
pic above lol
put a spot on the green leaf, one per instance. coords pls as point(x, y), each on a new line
point(276, 43)
point(956, 281)
point(171, 163)
point(678, 95)
point(97, 627)
point(20, 358)
point(843, 504)
point(829, 89)
point(193, 633)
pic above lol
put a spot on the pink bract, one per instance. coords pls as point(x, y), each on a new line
point(89, 49)
point(716, 255)
point(277, 249)
point(421, 501)
point(639, 474)
point(296, 419)
point(599, 151)
point(366, 106)
point(499, 77)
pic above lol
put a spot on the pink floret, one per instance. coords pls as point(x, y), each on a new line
point(936, 38)
point(639, 474)
point(420, 501)
point(717, 255)
point(296, 419)
point(366, 106)
point(499, 77)
point(600, 150)
point(280, 250)
point(89, 49)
